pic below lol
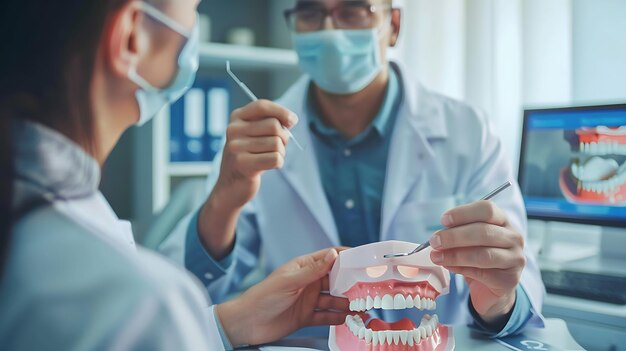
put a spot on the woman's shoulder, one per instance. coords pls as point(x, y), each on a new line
point(65, 281)
point(51, 253)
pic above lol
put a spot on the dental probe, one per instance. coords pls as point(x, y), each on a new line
point(254, 98)
point(423, 246)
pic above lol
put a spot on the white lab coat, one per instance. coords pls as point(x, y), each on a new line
point(443, 154)
point(74, 279)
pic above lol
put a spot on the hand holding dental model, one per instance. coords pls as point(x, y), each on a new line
point(480, 244)
point(370, 281)
point(289, 299)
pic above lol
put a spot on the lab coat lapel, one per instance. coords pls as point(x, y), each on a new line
point(409, 154)
point(419, 121)
point(301, 170)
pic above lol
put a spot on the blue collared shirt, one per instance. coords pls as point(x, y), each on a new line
point(520, 315)
point(353, 170)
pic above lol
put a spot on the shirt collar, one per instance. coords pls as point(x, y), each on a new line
point(382, 123)
point(52, 163)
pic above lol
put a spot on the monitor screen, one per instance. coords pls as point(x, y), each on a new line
point(573, 164)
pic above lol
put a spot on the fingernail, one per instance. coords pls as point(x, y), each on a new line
point(330, 256)
point(435, 241)
point(293, 119)
point(436, 257)
point(446, 220)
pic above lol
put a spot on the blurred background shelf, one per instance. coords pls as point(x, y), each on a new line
point(248, 57)
point(189, 169)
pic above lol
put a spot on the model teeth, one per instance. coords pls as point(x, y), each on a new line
point(595, 169)
point(599, 175)
point(399, 302)
point(603, 148)
point(389, 302)
point(412, 337)
point(378, 302)
point(410, 303)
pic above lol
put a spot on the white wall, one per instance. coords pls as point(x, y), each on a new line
point(470, 50)
point(599, 48)
point(504, 55)
point(547, 52)
point(432, 43)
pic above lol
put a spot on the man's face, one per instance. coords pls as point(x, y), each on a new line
point(383, 17)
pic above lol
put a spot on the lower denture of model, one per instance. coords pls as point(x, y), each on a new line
point(596, 181)
point(401, 335)
point(370, 281)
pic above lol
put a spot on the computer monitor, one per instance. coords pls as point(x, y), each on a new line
point(573, 165)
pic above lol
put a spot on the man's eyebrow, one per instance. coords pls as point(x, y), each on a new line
point(308, 3)
point(317, 3)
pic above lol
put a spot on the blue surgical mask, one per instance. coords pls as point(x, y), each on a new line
point(152, 99)
point(340, 61)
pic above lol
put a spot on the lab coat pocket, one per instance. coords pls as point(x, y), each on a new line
point(416, 221)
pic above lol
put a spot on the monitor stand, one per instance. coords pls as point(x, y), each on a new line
point(583, 248)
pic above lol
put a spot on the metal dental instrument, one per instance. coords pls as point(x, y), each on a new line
point(425, 245)
point(254, 98)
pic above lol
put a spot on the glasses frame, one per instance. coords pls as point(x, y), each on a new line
point(332, 14)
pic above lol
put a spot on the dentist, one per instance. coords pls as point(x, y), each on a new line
point(75, 75)
point(385, 159)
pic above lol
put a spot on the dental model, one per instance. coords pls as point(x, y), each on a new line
point(370, 281)
point(595, 175)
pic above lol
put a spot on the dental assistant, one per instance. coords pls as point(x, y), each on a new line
point(75, 75)
point(385, 159)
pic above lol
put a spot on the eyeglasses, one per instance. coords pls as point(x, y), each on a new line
point(310, 16)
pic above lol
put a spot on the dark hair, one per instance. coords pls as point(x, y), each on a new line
point(47, 57)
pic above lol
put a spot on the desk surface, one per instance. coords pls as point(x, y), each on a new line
point(555, 334)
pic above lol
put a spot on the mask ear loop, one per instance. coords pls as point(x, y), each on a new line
point(386, 24)
point(165, 19)
point(137, 79)
point(170, 23)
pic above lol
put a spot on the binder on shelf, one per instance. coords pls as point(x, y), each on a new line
point(194, 126)
point(198, 122)
point(218, 99)
point(177, 123)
